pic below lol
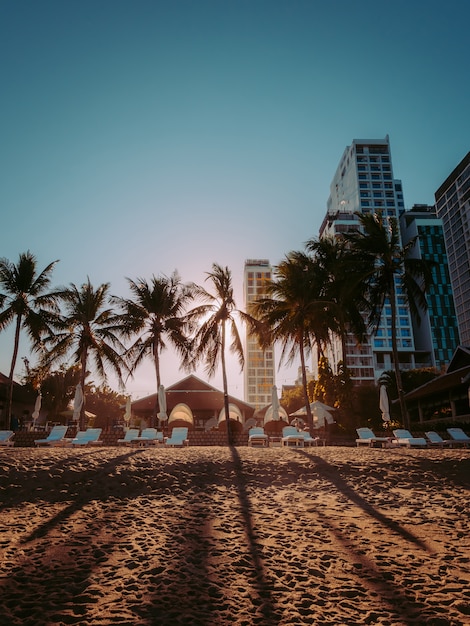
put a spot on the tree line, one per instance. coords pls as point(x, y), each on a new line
point(335, 287)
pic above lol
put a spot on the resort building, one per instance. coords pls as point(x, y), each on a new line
point(444, 400)
point(259, 364)
point(194, 403)
point(437, 332)
point(364, 183)
point(453, 207)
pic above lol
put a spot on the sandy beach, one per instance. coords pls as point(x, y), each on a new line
point(213, 536)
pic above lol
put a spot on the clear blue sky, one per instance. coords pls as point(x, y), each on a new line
point(143, 136)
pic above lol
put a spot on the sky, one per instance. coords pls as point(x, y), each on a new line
point(140, 137)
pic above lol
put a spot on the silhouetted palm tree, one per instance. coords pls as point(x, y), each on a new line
point(88, 329)
point(217, 311)
point(157, 314)
point(297, 313)
point(387, 269)
point(26, 300)
point(341, 285)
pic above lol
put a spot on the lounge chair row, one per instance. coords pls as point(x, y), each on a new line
point(88, 437)
point(133, 436)
point(402, 437)
point(256, 437)
point(150, 436)
point(290, 437)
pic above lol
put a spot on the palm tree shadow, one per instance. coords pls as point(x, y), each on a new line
point(78, 503)
point(262, 583)
point(330, 473)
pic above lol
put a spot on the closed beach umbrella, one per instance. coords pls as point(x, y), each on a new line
point(162, 414)
point(128, 411)
point(274, 404)
point(77, 402)
point(37, 407)
point(384, 404)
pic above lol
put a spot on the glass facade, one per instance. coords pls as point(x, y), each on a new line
point(422, 222)
point(453, 207)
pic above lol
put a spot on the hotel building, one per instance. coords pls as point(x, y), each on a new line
point(259, 364)
point(453, 207)
point(364, 183)
point(438, 331)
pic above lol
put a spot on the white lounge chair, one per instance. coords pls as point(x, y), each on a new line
point(308, 439)
point(87, 437)
point(368, 438)
point(55, 438)
point(405, 438)
point(179, 437)
point(152, 434)
point(6, 438)
point(257, 437)
point(131, 433)
point(437, 441)
point(458, 436)
point(148, 436)
point(292, 437)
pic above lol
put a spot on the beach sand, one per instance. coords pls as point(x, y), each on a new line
point(214, 536)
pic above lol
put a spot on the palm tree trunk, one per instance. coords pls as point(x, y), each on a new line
point(396, 363)
point(304, 384)
point(156, 361)
point(83, 361)
point(225, 386)
point(12, 371)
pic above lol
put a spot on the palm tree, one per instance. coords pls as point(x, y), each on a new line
point(88, 329)
point(341, 286)
point(216, 313)
point(387, 268)
point(157, 314)
point(27, 301)
point(297, 313)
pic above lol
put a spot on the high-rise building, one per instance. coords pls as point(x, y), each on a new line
point(364, 183)
point(437, 331)
point(453, 207)
point(259, 364)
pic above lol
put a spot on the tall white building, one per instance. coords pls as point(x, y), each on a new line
point(259, 364)
point(364, 183)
